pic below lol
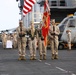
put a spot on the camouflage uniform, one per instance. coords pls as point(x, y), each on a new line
point(21, 31)
point(69, 38)
point(4, 39)
point(15, 40)
point(32, 42)
point(41, 45)
point(53, 33)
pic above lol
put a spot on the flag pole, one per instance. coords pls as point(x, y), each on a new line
point(23, 18)
point(33, 15)
point(33, 12)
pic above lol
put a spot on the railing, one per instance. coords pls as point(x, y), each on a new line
point(57, 3)
point(61, 3)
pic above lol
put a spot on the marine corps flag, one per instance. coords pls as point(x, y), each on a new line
point(46, 21)
point(28, 6)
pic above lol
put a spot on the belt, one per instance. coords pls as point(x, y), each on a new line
point(54, 34)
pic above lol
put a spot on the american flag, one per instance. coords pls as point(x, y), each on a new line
point(28, 6)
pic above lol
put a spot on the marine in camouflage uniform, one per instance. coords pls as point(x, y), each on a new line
point(53, 34)
point(69, 38)
point(32, 42)
point(14, 40)
point(4, 39)
point(41, 45)
point(21, 31)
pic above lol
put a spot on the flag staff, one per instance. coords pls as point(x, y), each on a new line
point(32, 15)
point(33, 12)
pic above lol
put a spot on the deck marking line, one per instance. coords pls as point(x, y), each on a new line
point(65, 71)
point(62, 69)
point(73, 74)
point(39, 60)
point(47, 63)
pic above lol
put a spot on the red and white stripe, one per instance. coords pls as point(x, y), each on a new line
point(28, 6)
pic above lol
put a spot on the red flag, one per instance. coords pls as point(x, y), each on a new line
point(28, 6)
point(46, 21)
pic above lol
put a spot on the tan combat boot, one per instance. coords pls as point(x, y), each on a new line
point(41, 57)
point(44, 57)
point(53, 56)
point(23, 58)
point(20, 58)
point(34, 58)
point(56, 57)
point(31, 58)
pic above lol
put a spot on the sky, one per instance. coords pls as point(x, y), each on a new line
point(9, 14)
